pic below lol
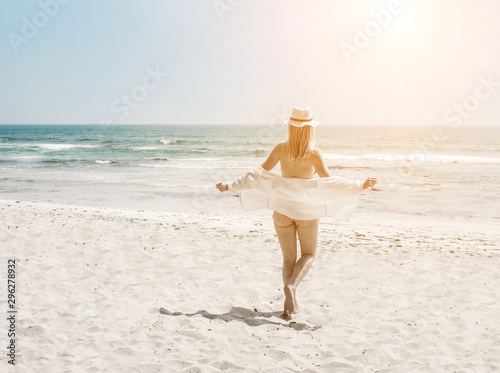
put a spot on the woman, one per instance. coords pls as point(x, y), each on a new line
point(299, 159)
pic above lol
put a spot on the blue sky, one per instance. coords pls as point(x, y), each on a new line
point(250, 61)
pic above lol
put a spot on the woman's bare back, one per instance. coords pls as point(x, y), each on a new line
point(303, 168)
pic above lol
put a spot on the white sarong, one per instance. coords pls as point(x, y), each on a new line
point(303, 199)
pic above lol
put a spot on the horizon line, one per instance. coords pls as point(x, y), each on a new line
point(263, 125)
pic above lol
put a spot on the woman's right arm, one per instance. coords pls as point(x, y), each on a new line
point(319, 164)
point(252, 179)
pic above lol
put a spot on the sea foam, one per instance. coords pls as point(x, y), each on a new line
point(441, 158)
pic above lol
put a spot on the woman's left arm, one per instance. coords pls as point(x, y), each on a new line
point(273, 158)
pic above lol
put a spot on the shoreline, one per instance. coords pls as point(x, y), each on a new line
point(484, 225)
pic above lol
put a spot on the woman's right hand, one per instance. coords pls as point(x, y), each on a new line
point(370, 182)
point(222, 187)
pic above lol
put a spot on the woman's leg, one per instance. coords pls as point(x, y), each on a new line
point(308, 237)
point(287, 236)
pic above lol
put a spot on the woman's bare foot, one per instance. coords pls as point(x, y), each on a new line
point(289, 301)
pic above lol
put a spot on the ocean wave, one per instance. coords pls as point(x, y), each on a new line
point(175, 141)
point(104, 162)
point(185, 187)
point(54, 161)
point(26, 157)
point(200, 150)
point(440, 158)
point(139, 148)
point(62, 147)
point(186, 166)
point(170, 141)
point(199, 159)
point(260, 151)
point(157, 183)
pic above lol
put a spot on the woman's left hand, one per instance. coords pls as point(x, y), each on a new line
point(222, 187)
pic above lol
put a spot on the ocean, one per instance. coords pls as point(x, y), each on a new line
point(423, 172)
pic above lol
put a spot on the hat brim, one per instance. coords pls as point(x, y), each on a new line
point(296, 123)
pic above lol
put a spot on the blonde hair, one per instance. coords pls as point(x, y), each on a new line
point(300, 142)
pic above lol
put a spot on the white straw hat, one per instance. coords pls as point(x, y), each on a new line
point(301, 117)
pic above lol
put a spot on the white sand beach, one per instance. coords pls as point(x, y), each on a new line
point(382, 295)
point(143, 145)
